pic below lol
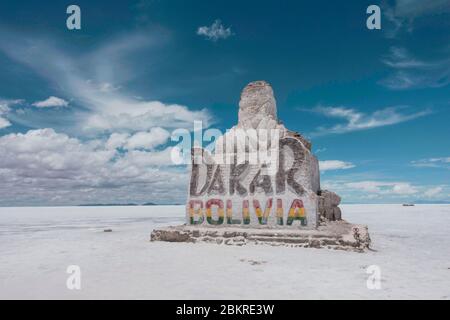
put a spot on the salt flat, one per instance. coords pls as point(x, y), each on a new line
point(38, 244)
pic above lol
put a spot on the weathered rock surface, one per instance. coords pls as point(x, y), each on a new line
point(258, 110)
point(257, 118)
point(338, 235)
point(277, 203)
point(328, 206)
point(257, 107)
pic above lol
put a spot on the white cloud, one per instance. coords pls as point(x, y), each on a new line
point(327, 165)
point(443, 162)
point(126, 114)
point(214, 32)
point(433, 192)
point(44, 152)
point(404, 189)
point(4, 123)
point(382, 187)
point(148, 140)
point(92, 82)
point(356, 120)
point(119, 155)
point(5, 109)
point(51, 102)
point(400, 58)
point(140, 140)
point(117, 140)
point(320, 150)
point(410, 72)
point(41, 165)
point(379, 191)
point(156, 158)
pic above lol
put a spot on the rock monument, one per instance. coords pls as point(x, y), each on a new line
point(261, 185)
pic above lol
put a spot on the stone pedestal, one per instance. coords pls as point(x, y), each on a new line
point(262, 184)
point(337, 235)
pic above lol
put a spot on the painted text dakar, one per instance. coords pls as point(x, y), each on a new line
point(211, 199)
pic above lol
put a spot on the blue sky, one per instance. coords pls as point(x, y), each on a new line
point(86, 115)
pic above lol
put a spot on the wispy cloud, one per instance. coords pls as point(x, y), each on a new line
point(356, 120)
point(122, 140)
point(414, 8)
point(327, 165)
point(409, 72)
point(51, 102)
point(400, 58)
point(90, 81)
point(403, 13)
point(215, 32)
point(443, 162)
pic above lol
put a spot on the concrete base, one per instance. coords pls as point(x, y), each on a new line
point(338, 235)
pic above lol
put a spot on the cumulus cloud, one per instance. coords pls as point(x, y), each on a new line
point(46, 153)
point(5, 110)
point(214, 32)
point(38, 165)
point(328, 165)
point(4, 123)
point(141, 140)
point(356, 120)
point(103, 86)
point(404, 189)
point(111, 146)
point(117, 140)
point(51, 102)
point(148, 140)
point(380, 191)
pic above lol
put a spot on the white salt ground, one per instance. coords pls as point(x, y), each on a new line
point(38, 244)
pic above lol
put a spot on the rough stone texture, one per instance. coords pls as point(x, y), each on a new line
point(338, 235)
point(258, 110)
point(294, 174)
point(242, 202)
point(257, 107)
point(328, 206)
